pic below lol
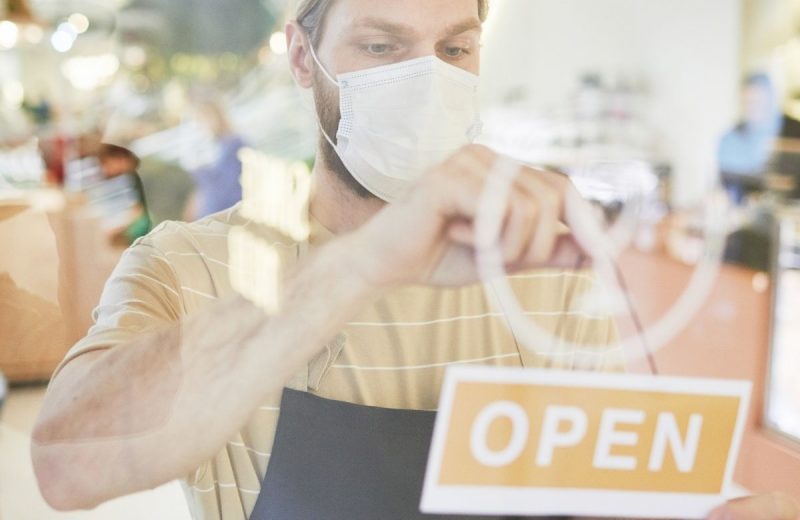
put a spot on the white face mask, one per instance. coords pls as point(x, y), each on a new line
point(399, 120)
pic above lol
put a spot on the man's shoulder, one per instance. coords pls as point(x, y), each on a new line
point(215, 245)
point(207, 233)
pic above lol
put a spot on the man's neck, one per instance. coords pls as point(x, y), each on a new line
point(336, 207)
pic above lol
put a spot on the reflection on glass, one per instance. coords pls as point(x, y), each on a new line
point(783, 405)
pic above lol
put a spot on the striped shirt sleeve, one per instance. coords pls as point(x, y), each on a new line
point(142, 293)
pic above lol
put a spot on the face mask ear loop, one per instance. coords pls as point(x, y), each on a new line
point(319, 64)
point(330, 78)
point(325, 134)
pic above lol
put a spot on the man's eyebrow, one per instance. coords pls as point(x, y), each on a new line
point(385, 26)
point(467, 25)
point(406, 30)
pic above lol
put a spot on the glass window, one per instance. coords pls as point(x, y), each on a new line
point(783, 391)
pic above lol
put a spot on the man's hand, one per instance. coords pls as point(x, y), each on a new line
point(775, 506)
point(428, 238)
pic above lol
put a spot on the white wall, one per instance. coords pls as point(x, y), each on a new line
point(687, 51)
point(767, 25)
point(771, 44)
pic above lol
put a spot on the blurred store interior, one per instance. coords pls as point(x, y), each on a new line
point(118, 115)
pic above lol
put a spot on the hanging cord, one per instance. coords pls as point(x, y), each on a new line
point(637, 322)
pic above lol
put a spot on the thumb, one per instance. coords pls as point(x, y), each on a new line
point(774, 506)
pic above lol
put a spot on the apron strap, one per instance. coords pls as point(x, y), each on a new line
point(310, 376)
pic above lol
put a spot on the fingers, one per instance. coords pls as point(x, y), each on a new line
point(549, 202)
point(516, 210)
point(775, 506)
point(531, 210)
point(461, 179)
point(522, 221)
point(462, 232)
point(566, 253)
point(535, 235)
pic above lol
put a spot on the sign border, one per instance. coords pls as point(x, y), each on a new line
point(560, 501)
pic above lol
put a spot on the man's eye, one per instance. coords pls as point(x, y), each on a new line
point(455, 52)
point(378, 49)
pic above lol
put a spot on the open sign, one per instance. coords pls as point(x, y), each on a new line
point(532, 442)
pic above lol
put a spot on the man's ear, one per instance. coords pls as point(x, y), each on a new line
point(301, 63)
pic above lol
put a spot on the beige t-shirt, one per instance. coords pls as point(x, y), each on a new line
point(393, 354)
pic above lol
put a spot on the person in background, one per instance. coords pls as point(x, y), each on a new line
point(745, 150)
point(783, 178)
point(108, 178)
point(217, 182)
point(123, 190)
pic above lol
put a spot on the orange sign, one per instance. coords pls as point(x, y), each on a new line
point(531, 442)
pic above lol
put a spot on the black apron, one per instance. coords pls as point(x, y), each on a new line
point(340, 461)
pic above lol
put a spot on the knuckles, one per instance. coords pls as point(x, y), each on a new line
point(452, 173)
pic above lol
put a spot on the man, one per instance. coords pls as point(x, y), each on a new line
point(217, 185)
point(181, 378)
point(123, 194)
point(744, 151)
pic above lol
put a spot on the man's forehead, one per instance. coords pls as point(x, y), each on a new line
point(408, 17)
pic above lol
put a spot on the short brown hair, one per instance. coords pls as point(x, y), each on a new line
point(311, 13)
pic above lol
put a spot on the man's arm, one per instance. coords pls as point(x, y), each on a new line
point(138, 415)
point(146, 412)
